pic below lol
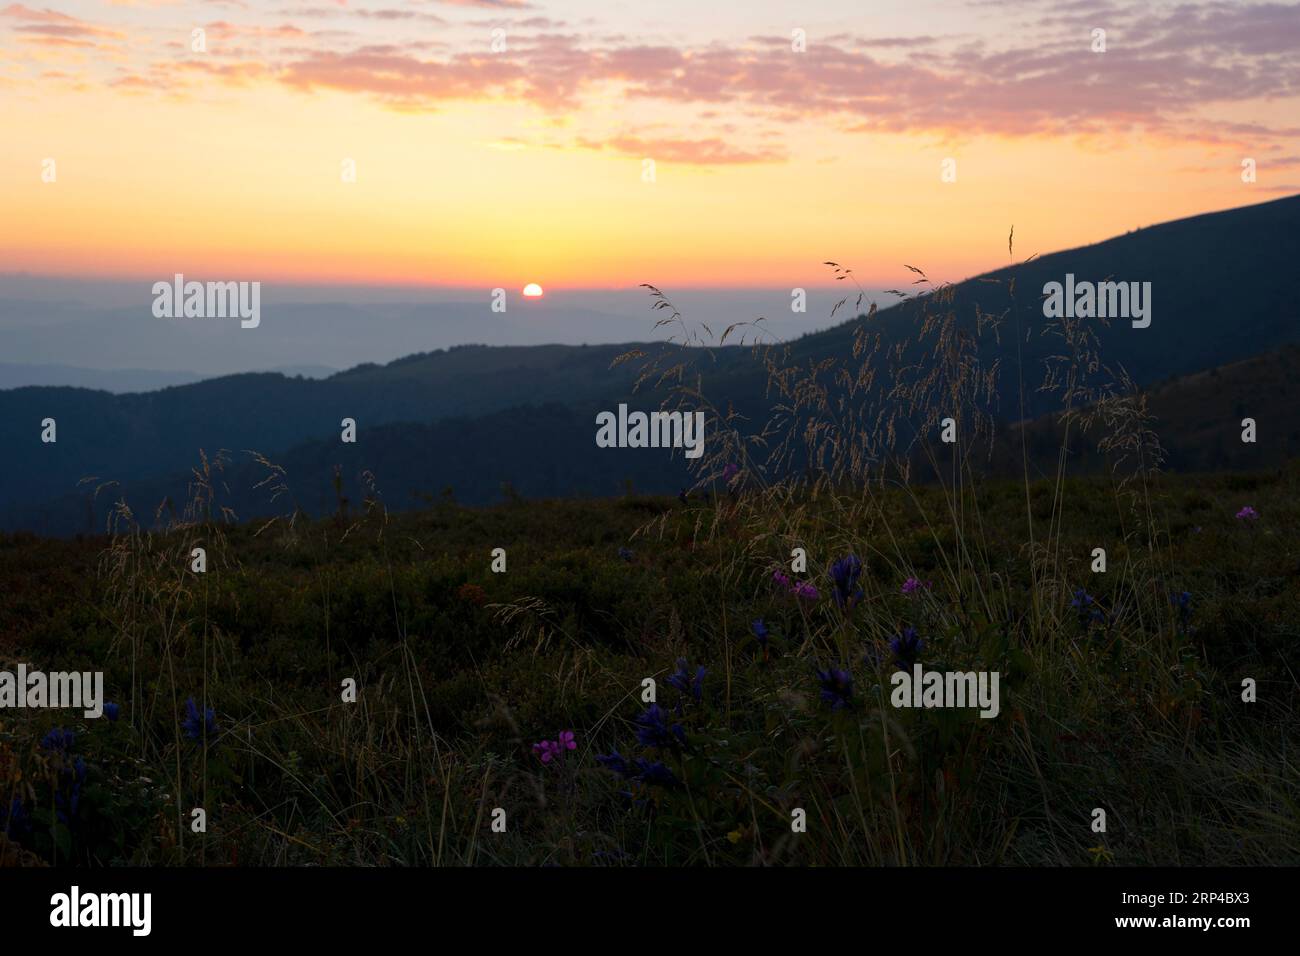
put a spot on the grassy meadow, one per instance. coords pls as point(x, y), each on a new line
point(1127, 697)
point(504, 715)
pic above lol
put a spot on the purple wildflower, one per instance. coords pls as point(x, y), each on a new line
point(906, 648)
point(687, 684)
point(654, 773)
point(844, 574)
point(805, 590)
point(837, 687)
point(615, 762)
point(547, 750)
point(653, 729)
point(58, 740)
point(199, 726)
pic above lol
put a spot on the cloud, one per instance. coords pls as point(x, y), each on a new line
point(1159, 70)
point(56, 25)
point(1165, 69)
point(405, 80)
point(711, 151)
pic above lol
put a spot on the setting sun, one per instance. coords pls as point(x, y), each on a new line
point(532, 291)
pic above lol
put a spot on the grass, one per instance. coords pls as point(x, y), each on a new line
point(787, 750)
point(461, 670)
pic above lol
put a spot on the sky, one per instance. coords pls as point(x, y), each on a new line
point(781, 135)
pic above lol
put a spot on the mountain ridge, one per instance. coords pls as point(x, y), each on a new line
point(1208, 273)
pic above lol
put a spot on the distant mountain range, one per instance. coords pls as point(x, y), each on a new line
point(474, 417)
point(121, 380)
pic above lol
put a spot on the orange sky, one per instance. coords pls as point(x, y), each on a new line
point(495, 169)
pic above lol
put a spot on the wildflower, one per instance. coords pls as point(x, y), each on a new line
point(906, 648)
point(683, 497)
point(654, 773)
point(198, 726)
point(845, 573)
point(729, 472)
point(653, 729)
point(760, 631)
point(625, 554)
point(780, 579)
point(912, 585)
point(837, 687)
point(1182, 602)
point(547, 750)
point(805, 590)
point(1084, 606)
point(567, 740)
point(1248, 514)
point(58, 740)
point(615, 762)
point(685, 683)
point(111, 711)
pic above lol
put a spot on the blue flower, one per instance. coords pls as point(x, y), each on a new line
point(111, 711)
point(1083, 605)
point(653, 729)
point(196, 726)
point(625, 554)
point(685, 683)
point(614, 761)
point(654, 773)
point(837, 687)
point(760, 631)
point(906, 647)
point(845, 573)
point(58, 740)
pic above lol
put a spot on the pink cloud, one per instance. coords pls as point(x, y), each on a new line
point(52, 23)
point(711, 151)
